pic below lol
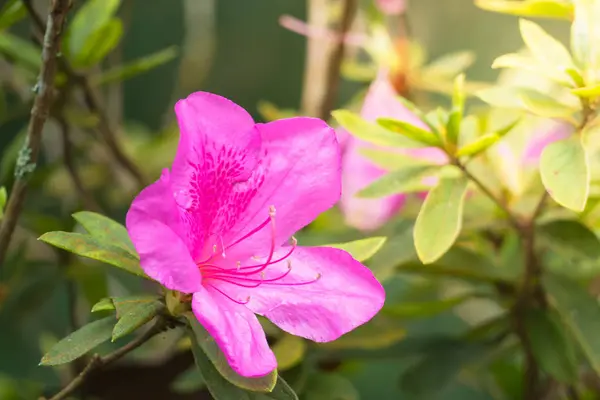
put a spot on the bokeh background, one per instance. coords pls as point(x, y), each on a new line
point(238, 49)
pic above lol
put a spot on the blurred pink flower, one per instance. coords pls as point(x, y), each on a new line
point(215, 226)
point(358, 171)
point(302, 28)
point(392, 7)
point(548, 133)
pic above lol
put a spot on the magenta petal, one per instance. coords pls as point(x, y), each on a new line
point(301, 179)
point(236, 331)
point(345, 295)
point(152, 223)
point(550, 133)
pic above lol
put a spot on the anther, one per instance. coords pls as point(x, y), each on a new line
point(272, 211)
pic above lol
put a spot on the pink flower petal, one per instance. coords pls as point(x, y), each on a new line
point(314, 32)
point(300, 177)
point(217, 157)
point(548, 134)
point(236, 331)
point(154, 228)
point(326, 294)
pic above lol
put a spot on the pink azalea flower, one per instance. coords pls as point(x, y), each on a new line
point(216, 226)
point(359, 171)
point(392, 7)
point(549, 133)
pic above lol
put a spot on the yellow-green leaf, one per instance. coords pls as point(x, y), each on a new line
point(440, 219)
point(410, 131)
point(361, 249)
point(99, 44)
point(12, 12)
point(371, 132)
point(559, 9)
point(406, 180)
point(90, 247)
point(587, 91)
point(544, 106)
point(79, 342)
point(105, 304)
point(449, 65)
point(289, 351)
point(391, 161)
point(133, 312)
point(585, 37)
point(481, 144)
point(22, 51)
point(565, 173)
point(106, 230)
point(546, 49)
point(89, 19)
point(458, 109)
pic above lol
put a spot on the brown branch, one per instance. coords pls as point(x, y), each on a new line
point(93, 105)
point(98, 362)
point(28, 155)
point(332, 82)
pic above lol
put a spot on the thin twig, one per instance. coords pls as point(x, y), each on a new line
point(98, 362)
point(332, 82)
point(28, 155)
point(93, 105)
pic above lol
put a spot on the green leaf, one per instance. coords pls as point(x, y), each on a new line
point(481, 144)
point(412, 132)
point(3, 198)
point(105, 304)
point(571, 239)
point(543, 47)
point(587, 91)
point(381, 331)
point(11, 13)
point(565, 173)
point(585, 34)
point(458, 109)
point(289, 351)
point(105, 230)
point(544, 106)
point(361, 249)
point(329, 386)
point(449, 65)
point(99, 44)
point(528, 63)
point(133, 312)
point(21, 51)
point(137, 67)
point(208, 346)
point(370, 132)
point(90, 247)
point(80, 342)
point(91, 18)
point(500, 96)
point(579, 311)
point(529, 8)
point(439, 366)
point(550, 346)
point(188, 382)
point(407, 180)
point(440, 219)
point(392, 161)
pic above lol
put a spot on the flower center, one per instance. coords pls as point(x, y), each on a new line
point(249, 276)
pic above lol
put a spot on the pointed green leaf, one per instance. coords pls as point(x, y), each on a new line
point(370, 132)
point(587, 91)
point(565, 173)
point(425, 308)
point(458, 109)
point(22, 51)
point(11, 13)
point(440, 219)
point(90, 247)
point(381, 331)
point(571, 239)
point(99, 44)
point(3, 198)
point(189, 381)
point(449, 65)
point(481, 144)
point(80, 342)
point(105, 230)
point(391, 161)
point(136, 67)
point(289, 351)
point(89, 19)
point(579, 311)
point(133, 312)
point(528, 63)
point(529, 8)
point(105, 304)
point(500, 96)
point(545, 106)
point(208, 346)
point(361, 249)
point(407, 180)
point(543, 47)
point(410, 131)
point(550, 346)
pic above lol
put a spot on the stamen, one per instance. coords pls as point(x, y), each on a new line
point(229, 297)
point(271, 219)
